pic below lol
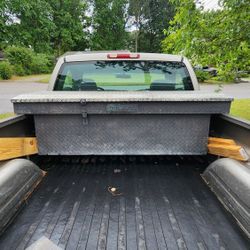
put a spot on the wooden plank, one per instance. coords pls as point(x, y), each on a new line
point(231, 151)
point(16, 147)
point(223, 141)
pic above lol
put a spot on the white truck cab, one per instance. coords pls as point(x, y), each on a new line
point(121, 71)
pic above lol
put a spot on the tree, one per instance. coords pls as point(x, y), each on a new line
point(220, 38)
point(109, 22)
point(3, 25)
point(158, 14)
point(70, 22)
point(44, 25)
point(28, 23)
point(150, 18)
point(136, 12)
point(180, 33)
point(235, 38)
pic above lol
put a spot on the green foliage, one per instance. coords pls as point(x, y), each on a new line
point(40, 64)
point(202, 76)
point(46, 26)
point(109, 25)
point(26, 62)
point(20, 58)
point(28, 23)
point(150, 17)
point(57, 26)
point(182, 28)
point(226, 74)
point(220, 38)
point(3, 26)
point(70, 22)
point(6, 70)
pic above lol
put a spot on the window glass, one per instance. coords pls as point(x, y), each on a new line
point(123, 75)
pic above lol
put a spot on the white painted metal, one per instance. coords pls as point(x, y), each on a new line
point(92, 56)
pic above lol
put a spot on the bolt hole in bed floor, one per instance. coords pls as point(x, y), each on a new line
point(159, 202)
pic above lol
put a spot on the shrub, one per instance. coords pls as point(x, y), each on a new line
point(226, 75)
point(243, 74)
point(202, 76)
point(19, 70)
point(25, 61)
point(6, 70)
point(20, 58)
point(40, 64)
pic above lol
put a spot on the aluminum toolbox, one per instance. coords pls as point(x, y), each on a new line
point(117, 123)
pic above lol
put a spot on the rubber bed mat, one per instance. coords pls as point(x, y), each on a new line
point(159, 203)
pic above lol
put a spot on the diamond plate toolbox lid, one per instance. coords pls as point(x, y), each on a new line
point(98, 102)
point(120, 96)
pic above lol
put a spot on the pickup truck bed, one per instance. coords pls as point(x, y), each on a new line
point(162, 202)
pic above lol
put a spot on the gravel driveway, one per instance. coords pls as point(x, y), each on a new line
point(238, 90)
point(9, 89)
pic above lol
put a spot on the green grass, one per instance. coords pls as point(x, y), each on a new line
point(44, 79)
point(30, 77)
point(241, 108)
point(6, 115)
point(214, 81)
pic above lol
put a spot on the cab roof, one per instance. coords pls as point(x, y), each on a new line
point(75, 56)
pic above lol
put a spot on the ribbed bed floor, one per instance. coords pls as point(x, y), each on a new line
point(161, 203)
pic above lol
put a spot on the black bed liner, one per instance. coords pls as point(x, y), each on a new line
point(163, 203)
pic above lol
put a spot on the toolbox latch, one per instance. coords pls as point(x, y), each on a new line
point(84, 118)
point(83, 101)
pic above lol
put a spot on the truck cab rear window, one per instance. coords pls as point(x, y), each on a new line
point(123, 75)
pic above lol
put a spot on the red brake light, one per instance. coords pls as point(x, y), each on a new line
point(123, 56)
